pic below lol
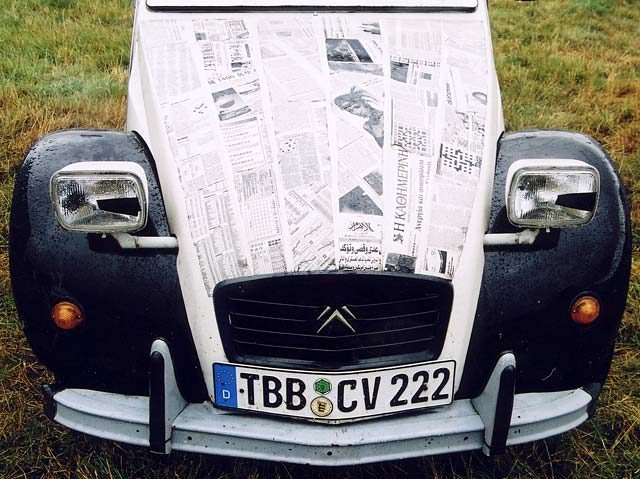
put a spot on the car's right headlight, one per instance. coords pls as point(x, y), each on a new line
point(100, 197)
point(551, 193)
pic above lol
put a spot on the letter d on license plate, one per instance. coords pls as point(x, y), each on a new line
point(334, 396)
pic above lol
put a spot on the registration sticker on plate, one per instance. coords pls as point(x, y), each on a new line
point(334, 396)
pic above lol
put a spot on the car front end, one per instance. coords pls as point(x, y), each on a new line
point(315, 243)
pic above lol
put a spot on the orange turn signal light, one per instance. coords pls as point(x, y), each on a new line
point(66, 315)
point(585, 310)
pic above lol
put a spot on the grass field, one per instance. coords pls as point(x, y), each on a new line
point(570, 64)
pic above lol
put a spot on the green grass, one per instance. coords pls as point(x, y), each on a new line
point(570, 64)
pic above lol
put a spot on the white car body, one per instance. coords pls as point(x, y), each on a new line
point(181, 102)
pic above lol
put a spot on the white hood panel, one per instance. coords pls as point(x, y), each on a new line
point(322, 141)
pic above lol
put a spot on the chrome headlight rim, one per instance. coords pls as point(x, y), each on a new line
point(548, 167)
point(102, 170)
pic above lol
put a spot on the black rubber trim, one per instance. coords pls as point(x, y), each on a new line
point(50, 407)
point(311, 8)
point(156, 403)
point(504, 408)
point(594, 390)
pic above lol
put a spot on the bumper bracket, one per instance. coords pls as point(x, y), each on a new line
point(495, 404)
point(165, 400)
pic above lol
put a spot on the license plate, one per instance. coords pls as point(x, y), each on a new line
point(334, 396)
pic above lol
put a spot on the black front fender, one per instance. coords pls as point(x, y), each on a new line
point(527, 291)
point(129, 297)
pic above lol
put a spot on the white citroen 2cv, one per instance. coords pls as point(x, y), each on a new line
point(316, 243)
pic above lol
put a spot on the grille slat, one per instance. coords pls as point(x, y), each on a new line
point(356, 341)
point(266, 303)
point(328, 338)
point(404, 343)
point(257, 317)
point(402, 316)
point(365, 325)
point(388, 303)
point(307, 321)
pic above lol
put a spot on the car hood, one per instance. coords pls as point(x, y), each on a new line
point(302, 141)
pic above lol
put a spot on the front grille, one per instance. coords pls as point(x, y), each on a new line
point(333, 321)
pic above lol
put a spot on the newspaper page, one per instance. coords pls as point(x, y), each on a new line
point(188, 114)
point(229, 55)
point(290, 60)
point(356, 94)
point(413, 61)
point(287, 128)
point(459, 155)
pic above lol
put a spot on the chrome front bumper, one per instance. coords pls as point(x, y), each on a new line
point(202, 428)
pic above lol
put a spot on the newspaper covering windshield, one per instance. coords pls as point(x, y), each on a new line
point(314, 142)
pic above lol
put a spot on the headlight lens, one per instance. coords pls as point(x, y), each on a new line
point(100, 197)
point(552, 193)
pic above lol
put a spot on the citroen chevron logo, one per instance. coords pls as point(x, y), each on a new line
point(337, 314)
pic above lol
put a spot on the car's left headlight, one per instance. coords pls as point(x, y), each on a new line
point(100, 197)
point(551, 193)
